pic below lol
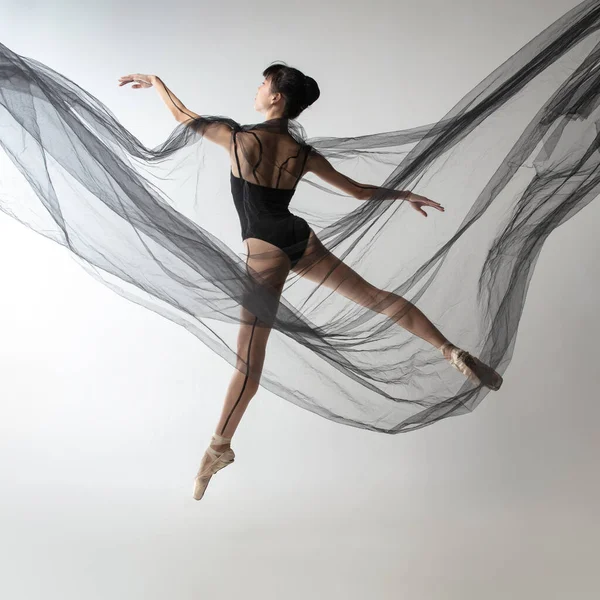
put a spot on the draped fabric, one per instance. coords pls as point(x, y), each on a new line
point(515, 158)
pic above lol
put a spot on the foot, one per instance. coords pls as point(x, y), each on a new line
point(472, 368)
point(217, 456)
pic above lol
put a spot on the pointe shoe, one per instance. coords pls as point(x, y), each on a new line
point(472, 368)
point(218, 460)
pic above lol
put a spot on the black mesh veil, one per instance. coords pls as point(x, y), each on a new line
point(515, 158)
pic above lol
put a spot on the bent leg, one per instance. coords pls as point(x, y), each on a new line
point(272, 265)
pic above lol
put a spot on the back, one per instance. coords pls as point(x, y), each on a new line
point(266, 154)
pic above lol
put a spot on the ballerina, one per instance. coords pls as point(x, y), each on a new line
point(267, 162)
point(518, 152)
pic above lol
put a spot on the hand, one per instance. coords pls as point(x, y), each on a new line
point(417, 201)
point(140, 80)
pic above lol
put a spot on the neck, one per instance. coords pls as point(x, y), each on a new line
point(274, 115)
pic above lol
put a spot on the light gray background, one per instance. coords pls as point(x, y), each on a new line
point(108, 407)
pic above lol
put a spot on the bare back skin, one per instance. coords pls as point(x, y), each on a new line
point(266, 158)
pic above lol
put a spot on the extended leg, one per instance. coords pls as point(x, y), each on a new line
point(323, 267)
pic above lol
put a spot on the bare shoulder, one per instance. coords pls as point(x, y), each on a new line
point(217, 129)
point(316, 163)
point(217, 132)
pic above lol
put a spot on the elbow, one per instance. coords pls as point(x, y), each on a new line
point(362, 194)
point(183, 115)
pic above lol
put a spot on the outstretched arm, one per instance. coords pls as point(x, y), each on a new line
point(174, 104)
point(220, 133)
point(320, 166)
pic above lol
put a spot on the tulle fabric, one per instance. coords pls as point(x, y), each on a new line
point(515, 158)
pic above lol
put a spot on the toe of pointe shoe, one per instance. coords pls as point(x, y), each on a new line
point(488, 376)
point(220, 461)
point(496, 383)
point(200, 485)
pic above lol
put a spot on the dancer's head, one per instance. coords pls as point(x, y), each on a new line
point(285, 92)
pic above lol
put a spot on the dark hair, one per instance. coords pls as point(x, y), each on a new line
point(299, 90)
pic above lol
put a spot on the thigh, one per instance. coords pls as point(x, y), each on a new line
point(270, 266)
point(321, 266)
point(267, 263)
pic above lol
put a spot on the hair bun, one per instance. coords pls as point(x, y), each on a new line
point(311, 90)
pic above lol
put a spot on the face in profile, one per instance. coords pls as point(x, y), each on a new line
point(262, 96)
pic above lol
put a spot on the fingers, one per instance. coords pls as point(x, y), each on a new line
point(434, 204)
point(417, 207)
point(138, 78)
point(427, 202)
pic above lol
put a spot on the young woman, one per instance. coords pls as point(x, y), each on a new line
point(267, 161)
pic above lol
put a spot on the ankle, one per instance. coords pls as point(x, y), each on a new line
point(446, 348)
point(220, 447)
point(217, 441)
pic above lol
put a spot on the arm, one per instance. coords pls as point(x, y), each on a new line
point(219, 133)
point(174, 104)
point(319, 165)
point(215, 131)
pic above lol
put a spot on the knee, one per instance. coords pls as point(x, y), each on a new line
point(360, 291)
point(376, 298)
point(250, 364)
point(248, 377)
point(389, 303)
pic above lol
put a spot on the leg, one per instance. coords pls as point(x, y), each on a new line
point(273, 266)
point(323, 267)
point(320, 265)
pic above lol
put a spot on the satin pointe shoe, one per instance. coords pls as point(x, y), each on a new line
point(217, 460)
point(472, 368)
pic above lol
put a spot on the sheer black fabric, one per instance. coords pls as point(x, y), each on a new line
point(515, 158)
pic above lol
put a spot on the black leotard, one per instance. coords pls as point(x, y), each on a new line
point(264, 214)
